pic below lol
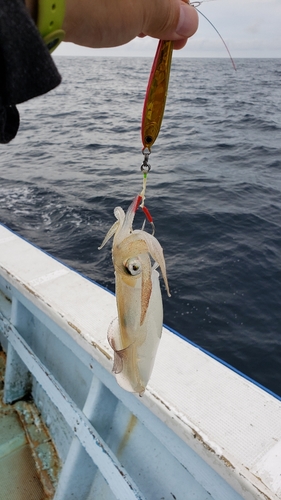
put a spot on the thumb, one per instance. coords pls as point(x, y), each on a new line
point(170, 19)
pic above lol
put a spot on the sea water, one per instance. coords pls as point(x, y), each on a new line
point(214, 191)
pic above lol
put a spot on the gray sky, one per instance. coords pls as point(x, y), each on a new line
point(251, 28)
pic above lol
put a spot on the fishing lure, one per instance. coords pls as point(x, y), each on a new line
point(157, 89)
point(156, 94)
point(134, 336)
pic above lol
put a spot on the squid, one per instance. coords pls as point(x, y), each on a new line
point(135, 335)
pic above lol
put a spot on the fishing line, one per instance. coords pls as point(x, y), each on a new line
point(155, 100)
point(213, 26)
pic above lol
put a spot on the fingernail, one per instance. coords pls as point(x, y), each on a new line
point(183, 28)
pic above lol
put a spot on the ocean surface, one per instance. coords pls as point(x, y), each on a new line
point(214, 191)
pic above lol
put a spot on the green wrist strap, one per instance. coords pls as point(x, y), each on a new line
point(49, 22)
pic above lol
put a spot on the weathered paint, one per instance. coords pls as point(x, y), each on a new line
point(26, 447)
point(200, 427)
point(127, 435)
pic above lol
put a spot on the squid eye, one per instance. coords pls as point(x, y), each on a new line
point(133, 266)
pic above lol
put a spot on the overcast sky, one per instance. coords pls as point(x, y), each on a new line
point(251, 28)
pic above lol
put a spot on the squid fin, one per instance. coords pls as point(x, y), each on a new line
point(113, 335)
point(118, 363)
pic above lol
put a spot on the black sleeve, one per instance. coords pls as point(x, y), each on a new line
point(26, 68)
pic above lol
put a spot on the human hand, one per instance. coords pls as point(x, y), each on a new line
point(109, 23)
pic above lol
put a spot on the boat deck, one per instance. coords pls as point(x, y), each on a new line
point(29, 465)
point(201, 431)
